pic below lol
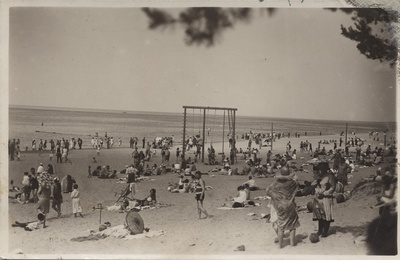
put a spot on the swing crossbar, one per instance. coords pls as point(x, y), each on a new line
point(210, 108)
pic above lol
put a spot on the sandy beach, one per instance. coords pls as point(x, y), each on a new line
point(183, 233)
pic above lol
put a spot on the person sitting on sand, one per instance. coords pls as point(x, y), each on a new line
point(149, 200)
point(387, 197)
point(96, 171)
point(247, 190)
point(103, 173)
point(294, 154)
point(112, 174)
point(252, 184)
point(246, 169)
point(181, 187)
point(148, 171)
point(241, 196)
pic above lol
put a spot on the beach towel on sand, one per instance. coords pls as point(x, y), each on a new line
point(282, 193)
point(117, 232)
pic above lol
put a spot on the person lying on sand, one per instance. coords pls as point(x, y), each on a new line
point(32, 225)
point(149, 200)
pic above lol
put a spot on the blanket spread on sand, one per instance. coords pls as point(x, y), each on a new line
point(118, 232)
point(282, 193)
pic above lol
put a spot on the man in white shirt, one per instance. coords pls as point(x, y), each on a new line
point(40, 169)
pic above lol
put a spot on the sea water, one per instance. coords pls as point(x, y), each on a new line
point(26, 124)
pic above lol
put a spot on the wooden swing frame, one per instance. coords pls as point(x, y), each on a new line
point(231, 111)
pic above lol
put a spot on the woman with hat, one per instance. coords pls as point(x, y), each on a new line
point(282, 193)
point(323, 202)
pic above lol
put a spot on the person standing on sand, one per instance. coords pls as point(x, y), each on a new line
point(40, 168)
point(58, 154)
point(76, 201)
point(342, 170)
point(12, 149)
point(57, 199)
point(282, 193)
point(200, 189)
point(45, 193)
point(323, 202)
point(178, 152)
point(80, 143)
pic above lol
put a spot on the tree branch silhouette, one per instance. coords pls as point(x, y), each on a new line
point(372, 30)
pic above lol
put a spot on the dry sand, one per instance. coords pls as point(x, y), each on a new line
point(184, 233)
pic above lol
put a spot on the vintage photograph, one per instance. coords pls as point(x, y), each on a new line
point(190, 131)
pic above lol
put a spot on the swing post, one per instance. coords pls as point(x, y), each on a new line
point(234, 131)
point(223, 134)
point(184, 134)
point(204, 135)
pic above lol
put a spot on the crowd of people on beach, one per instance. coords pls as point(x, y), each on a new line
point(330, 174)
point(39, 186)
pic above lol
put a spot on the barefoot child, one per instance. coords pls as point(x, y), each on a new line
point(89, 172)
point(51, 156)
point(76, 202)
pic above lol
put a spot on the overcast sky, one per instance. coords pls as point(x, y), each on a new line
point(294, 64)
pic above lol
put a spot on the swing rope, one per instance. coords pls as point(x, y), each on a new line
point(211, 129)
point(193, 122)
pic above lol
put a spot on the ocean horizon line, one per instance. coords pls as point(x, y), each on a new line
point(117, 111)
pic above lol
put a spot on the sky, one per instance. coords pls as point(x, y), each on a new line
point(294, 64)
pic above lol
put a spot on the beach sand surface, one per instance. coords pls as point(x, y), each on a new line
point(184, 233)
